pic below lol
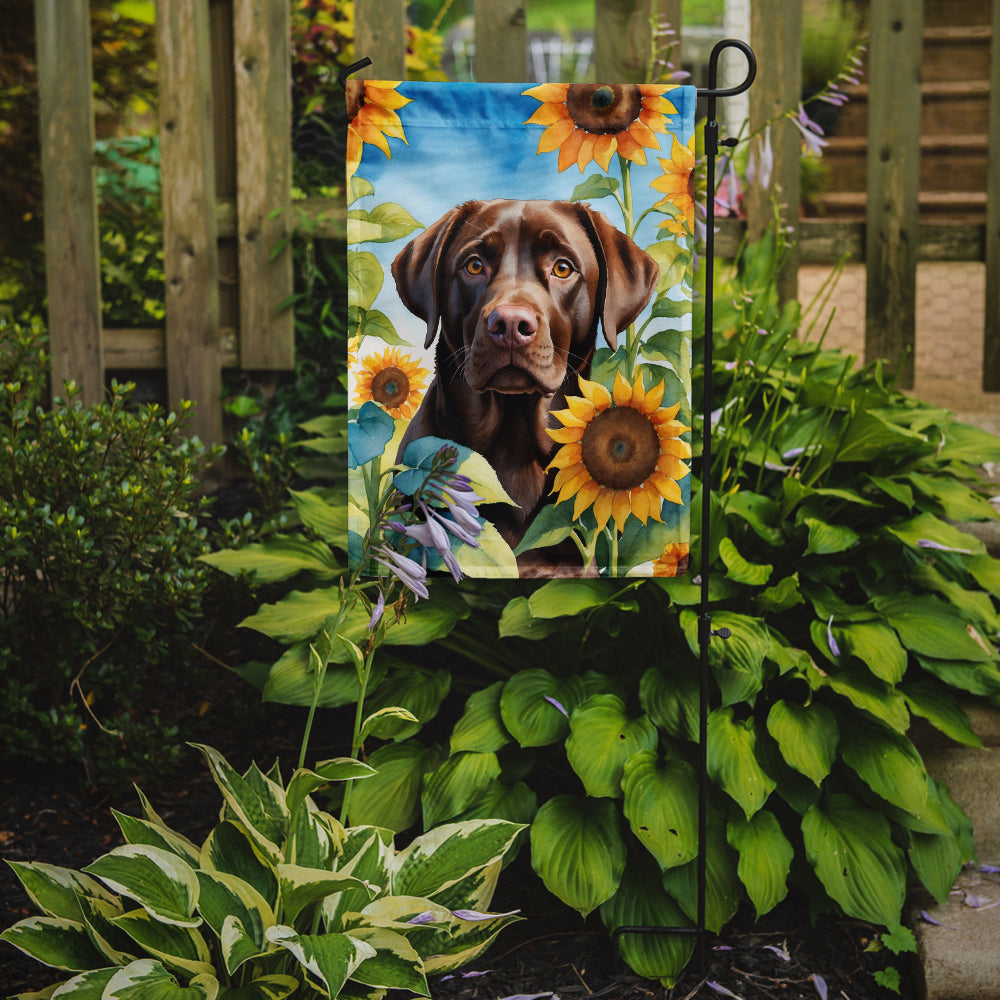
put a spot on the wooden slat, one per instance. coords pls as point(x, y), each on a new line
point(144, 348)
point(262, 61)
point(501, 41)
point(991, 333)
point(190, 254)
point(380, 34)
point(776, 36)
point(893, 184)
point(72, 257)
point(622, 40)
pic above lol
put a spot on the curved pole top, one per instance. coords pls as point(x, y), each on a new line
point(713, 70)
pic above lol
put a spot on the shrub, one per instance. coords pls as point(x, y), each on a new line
point(280, 899)
point(99, 540)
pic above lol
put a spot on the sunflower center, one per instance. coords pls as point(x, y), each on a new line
point(603, 109)
point(390, 387)
point(620, 448)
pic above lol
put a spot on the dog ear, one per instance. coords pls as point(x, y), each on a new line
point(417, 267)
point(628, 275)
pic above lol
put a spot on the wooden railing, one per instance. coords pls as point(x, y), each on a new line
point(226, 156)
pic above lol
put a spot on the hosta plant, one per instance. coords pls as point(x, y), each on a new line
point(279, 900)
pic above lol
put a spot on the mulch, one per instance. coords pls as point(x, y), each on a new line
point(551, 953)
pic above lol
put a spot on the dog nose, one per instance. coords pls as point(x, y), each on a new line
point(512, 325)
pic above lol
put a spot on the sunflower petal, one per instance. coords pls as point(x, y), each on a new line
point(585, 497)
point(621, 508)
point(630, 149)
point(665, 486)
point(586, 154)
point(660, 104)
point(550, 93)
point(654, 397)
point(564, 435)
point(555, 135)
point(603, 506)
point(570, 148)
point(640, 504)
point(653, 120)
point(637, 402)
point(568, 418)
point(621, 391)
point(604, 148)
point(643, 135)
point(567, 455)
point(385, 97)
point(566, 479)
point(548, 114)
point(595, 393)
point(675, 446)
point(582, 408)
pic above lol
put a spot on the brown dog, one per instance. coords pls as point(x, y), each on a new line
point(518, 289)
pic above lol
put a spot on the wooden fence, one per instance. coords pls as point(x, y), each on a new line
point(226, 161)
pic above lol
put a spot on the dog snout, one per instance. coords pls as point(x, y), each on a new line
point(512, 325)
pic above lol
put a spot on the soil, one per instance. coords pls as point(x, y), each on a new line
point(551, 953)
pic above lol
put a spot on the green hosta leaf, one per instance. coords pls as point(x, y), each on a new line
point(456, 784)
point(292, 680)
point(783, 595)
point(147, 979)
point(260, 809)
point(395, 964)
point(578, 851)
point(275, 987)
point(828, 539)
point(180, 948)
point(760, 512)
point(391, 798)
point(888, 763)
point(388, 722)
point(876, 646)
point(530, 706)
point(481, 728)
point(279, 558)
point(226, 898)
point(330, 959)
point(516, 803)
point(438, 859)
point(931, 628)
point(642, 902)
point(937, 859)
point(723, 889)
point(661, 800)
point(941, 709)
point(958, 502)
point(867, 693)
point(602, 738)
point(738, 661)
point(56, 891)
point(304, 782)
point(986, 572)
point(671, 700)
point(328, 520)
point(301, 887)
point(142, 831)
point(417, 690)
point(54, 941)
point(850, 847)
point(807, 736)
point(928, 528)
point(163, 884)
point(230, 849)
point(732, 760)
point(765, 858)
point(976, 678)
point(870, 436)
point(738, 569)
point(517, 619)
point(563, 598)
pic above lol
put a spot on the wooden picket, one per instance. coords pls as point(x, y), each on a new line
point(226, 161)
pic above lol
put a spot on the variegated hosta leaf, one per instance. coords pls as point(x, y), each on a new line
point(481, 727)
point(256, 801)
point(642, 902)
point(765, 858)
point(395, 964)
point(54, 941)
point(141, 831)
point(230, 849)
point(441, 857)
point(456, 784)
point(56, 891)
point(158, 880)
point(116, 947)
point(367, 853)
point(578, 851)
point(177, 947)
point(224, 898)
point(807, 736)
point(661, 805)
point(328, 959)
point(304, 782)
point(274, 987)
point(602, 737)
point(315, 838)
point(850, 847)
point(86, 986)
point(467, 941)
point(149, 980)
point(475, 891)
point(301, 887)
point(732, 760)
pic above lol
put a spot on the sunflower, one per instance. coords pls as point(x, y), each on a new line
point(673, 561)
point(393, 380)
point(621, 452)
point(372, 118)
point(589, 121)
point(677, 183)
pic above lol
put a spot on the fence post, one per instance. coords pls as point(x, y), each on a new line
point(622, 40)
point(262, 61)
point(776, 34)
point(380, 34)
point(72, 254)
point(501, 41)
point(190, 251)
point(893, 183)
point(991, 332)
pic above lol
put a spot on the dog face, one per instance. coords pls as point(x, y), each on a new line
point(518, 289)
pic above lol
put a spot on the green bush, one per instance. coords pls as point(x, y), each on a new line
point(101, 584)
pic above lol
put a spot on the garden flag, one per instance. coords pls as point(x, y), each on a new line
point(520, 267)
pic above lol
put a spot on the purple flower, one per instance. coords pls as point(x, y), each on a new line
point(811, 132)
point(820, 983)
point(377, 611)
point(719, 988)
point(834, 648)
point(411, 574)
point(927, 543)
point(427, 917)
point(780, 952)
point(760, 166)
point(475, 915)
point(558, 705)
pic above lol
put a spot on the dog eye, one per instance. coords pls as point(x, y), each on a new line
point(474, 266)
point(562, 268)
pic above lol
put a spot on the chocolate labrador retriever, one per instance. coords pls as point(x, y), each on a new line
point(518, 289)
